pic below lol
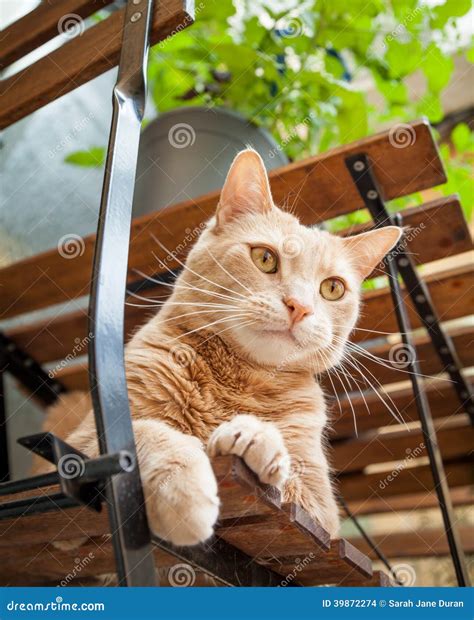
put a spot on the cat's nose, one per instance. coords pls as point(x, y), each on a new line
point(297, 310)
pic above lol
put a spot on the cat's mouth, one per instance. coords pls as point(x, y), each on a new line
point(286, 334)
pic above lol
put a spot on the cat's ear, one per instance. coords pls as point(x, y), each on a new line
point(246, 188)
point(368, 249)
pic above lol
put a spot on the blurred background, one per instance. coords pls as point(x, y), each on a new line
point(291, 77)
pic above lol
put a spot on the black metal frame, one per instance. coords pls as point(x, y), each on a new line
point(400, 263)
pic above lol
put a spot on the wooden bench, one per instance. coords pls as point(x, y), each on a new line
point(383, 468)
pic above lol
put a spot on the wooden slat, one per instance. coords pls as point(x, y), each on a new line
point(320, 187)
point(355, 454)
point(41, 25)
point(422, 543)
point(80, 60)
point(460, 496)
point(374, 413)
point(418, 479)
point(56, 338)
point(452, 291)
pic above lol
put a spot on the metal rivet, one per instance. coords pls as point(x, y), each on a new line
point(359, 166)
point(28, 362)
point(429, 318)
point(451, 368)
point(372, 194)
point(444, 350)
point(135, 17)
point(403, 262)
point(420, 299)
point(11, 347)
point(136, 1)
point(464, 395)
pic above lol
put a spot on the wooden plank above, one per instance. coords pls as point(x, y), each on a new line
point(419, 544)
point(372, 411)
point(357, 453)
point(320, 188)
point(42, 24)
point(82, 59)
point(404, 481)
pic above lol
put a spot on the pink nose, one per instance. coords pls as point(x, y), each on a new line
point(297, 310)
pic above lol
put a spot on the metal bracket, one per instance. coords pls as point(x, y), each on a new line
point(28, 372)
point(360, 168)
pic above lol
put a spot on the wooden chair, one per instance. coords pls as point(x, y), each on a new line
point(383, 468)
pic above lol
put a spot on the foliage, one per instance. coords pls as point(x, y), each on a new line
point(292, 65)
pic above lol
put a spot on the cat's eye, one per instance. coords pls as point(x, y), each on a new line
point(332, 289)
point(266, 260)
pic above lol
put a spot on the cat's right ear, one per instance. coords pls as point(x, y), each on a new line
point(246, 189)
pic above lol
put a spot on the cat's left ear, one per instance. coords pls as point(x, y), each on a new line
point(368, 249)
point(246, 188)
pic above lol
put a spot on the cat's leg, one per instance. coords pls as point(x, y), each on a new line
point(259, 443)
point(178, 482)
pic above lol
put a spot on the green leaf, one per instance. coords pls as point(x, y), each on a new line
point(449, 10)
point(463, 138)
point(93, 158)
point(437, 67)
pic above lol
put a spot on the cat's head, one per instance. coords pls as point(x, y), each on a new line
point(283, 294)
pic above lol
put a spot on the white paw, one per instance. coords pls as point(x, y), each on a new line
point(259, 443)
point(183, 504)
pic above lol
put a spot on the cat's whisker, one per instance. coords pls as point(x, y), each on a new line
point(243, 324)
point(190, 287)
point(189, 314)
point(221, 320)
point(228, 273)
point(191, 270)
point(328, 371)
point(349, 401)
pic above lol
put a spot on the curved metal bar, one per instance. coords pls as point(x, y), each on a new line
point(129, 528)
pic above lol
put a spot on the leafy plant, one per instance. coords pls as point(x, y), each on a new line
point(298, 68)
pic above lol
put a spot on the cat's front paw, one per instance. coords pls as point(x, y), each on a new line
point(259, 443)
point(183, 504)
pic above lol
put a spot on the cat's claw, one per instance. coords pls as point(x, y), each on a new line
point(258, 443)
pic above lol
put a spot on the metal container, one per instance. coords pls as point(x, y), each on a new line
point(187, 152)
